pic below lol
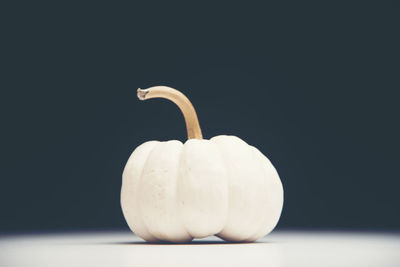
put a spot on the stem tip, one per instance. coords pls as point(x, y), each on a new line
point(141, 94)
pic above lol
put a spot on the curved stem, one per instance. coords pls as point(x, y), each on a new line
point(186, 107)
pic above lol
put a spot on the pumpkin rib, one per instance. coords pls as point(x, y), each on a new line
point(227, 185)
point(225, 236)
point(255, 235)
point(267, 226)
point(191, 182)
point(147, 235)
point(179, 212)
point(159, 195)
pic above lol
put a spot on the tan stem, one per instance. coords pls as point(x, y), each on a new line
point(188, 111)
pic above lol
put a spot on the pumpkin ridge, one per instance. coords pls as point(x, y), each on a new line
point(137, 195)
point(180, 215)
point(136, 199)
point(227, 185)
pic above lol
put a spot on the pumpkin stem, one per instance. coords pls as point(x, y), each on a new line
point(186, 107)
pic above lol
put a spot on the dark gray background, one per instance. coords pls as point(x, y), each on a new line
point(312, 85)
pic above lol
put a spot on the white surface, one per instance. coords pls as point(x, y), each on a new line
point(277, 249)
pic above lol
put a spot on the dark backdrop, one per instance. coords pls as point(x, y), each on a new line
point(312, 85)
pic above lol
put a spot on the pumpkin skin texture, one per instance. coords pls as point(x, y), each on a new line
point(223, 186)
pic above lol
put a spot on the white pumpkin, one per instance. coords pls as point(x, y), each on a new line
point(222, 186)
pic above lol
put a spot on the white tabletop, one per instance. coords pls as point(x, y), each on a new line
point(281, 248)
